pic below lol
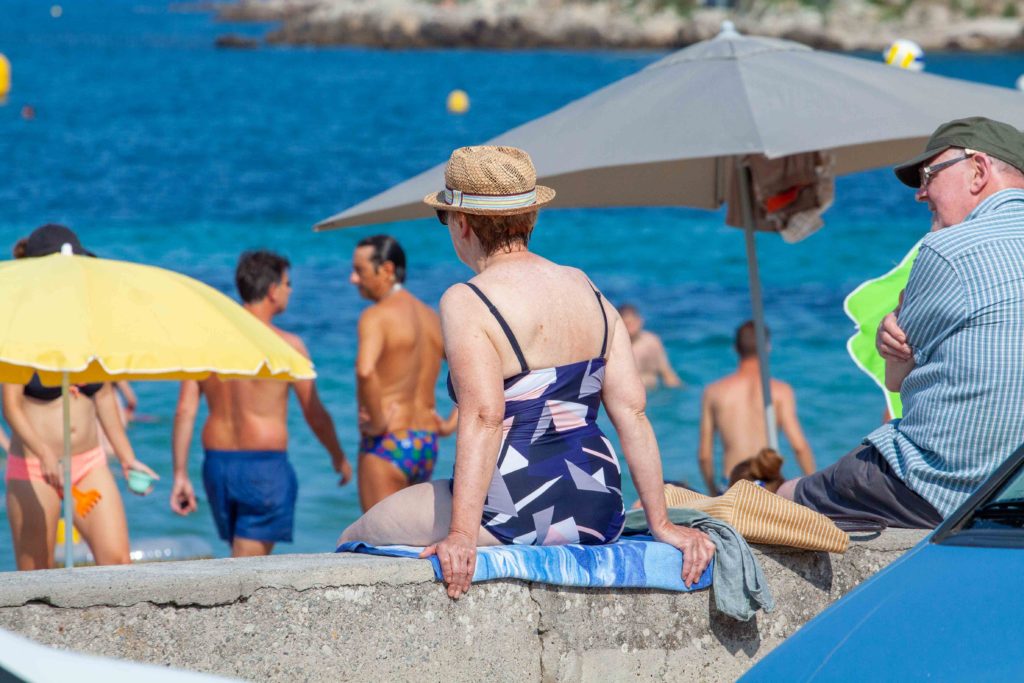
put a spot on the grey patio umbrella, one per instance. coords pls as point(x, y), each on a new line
point(674, 133)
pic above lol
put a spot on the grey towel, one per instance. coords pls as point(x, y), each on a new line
point(740, 586)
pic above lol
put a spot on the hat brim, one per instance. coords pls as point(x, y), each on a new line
point(544, 196)
point(908, 172)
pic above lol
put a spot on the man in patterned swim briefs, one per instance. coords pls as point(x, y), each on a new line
point(397, 366)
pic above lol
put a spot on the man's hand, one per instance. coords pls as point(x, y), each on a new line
point(890, 340)
point(183, 498)
point(344, 468)
point(368, 427)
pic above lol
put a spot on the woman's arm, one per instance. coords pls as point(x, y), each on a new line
point(625, 399)
point(110, 421)
point(476, 373)
point(22, 429)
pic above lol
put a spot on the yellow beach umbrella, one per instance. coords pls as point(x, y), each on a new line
point(78, 319)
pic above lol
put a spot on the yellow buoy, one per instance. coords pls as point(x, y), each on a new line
point(56, 11)
point(5, 76)
point(458, 102)
point(75, 537)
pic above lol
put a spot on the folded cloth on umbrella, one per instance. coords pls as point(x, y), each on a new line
point(790, 193)
point(761, 516)
point(740, 586)
point(637, 562)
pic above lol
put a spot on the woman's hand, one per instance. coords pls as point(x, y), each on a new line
point(695, 545)
point(137, 465)
point(52, 469)
point(457, 554)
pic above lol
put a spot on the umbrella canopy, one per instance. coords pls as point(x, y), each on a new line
point(82, 319)
point(667, 135)
point(101, 320)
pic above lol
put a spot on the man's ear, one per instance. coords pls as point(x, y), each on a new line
point(982, 173)
point(388, 268)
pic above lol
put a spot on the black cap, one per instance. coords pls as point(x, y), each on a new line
point(997, 139)
point(49, 239)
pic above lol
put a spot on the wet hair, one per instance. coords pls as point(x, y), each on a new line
point(386, 248)
point(502, 232)
point(628, 309)
point(256, 271)
point(746, 339)
point(765, 467)
point(20, 249)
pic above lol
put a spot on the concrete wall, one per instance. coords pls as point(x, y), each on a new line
point(346, 617)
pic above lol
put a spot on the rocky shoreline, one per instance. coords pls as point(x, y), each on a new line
point(956, 25)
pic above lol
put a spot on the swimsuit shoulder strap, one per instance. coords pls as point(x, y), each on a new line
point(604, 316)
point(504, 327)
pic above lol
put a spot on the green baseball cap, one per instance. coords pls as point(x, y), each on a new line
point(997, 139)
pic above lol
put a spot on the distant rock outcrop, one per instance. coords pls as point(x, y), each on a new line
point(634, 24)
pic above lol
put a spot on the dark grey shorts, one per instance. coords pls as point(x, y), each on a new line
point(862, 484)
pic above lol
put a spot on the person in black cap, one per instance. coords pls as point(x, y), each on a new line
point(952, 347)
point(34, 474)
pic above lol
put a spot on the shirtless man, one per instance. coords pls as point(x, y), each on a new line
point(249, 482)
point(734, 408)
point(649, 352)
point(399, 359)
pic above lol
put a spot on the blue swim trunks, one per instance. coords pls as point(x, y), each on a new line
point(252, 494)
point(413, 451)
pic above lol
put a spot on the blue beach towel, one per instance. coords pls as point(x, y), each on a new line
point(634, 562)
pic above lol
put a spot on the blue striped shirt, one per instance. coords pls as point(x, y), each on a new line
point(963, 314)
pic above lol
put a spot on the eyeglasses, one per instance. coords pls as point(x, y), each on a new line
point(926, 173)
point(442, 216)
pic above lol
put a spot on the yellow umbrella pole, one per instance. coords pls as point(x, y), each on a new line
point(69, 541)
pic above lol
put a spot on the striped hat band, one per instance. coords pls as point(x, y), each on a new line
point(486, 202)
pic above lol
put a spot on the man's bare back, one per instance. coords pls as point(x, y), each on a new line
point(736, 406)
point(248, 414)
point(733, 408)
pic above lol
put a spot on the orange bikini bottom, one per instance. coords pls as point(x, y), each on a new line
point(20, 468)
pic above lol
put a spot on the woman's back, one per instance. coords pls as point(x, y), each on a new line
point(551, 310)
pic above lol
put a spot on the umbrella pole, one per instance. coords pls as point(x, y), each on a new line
point(746, 197)
point(69, 533)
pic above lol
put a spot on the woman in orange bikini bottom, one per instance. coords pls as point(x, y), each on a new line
point(35, 472)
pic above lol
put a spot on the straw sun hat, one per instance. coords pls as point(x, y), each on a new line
point(490, 181)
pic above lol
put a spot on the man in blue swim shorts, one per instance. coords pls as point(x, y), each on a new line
point(399, 360)
point(250, 484)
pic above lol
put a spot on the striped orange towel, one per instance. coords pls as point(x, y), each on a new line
point(760, 516)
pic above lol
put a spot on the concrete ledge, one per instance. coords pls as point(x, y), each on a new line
point(349, 617)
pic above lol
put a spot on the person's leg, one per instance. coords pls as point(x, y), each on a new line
point(247, 547)
point(33, 508)
point(105, 528)
point(418, 515)
point(788, 487)
point(862, 484)
point(378, 479)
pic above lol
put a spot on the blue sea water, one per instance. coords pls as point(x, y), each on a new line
point(157, 147)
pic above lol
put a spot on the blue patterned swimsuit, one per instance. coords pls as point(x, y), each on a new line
point(557, 478)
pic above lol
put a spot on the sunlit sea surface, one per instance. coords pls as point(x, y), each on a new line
point(157, 147)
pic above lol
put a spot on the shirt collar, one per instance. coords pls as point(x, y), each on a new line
point(992, 203)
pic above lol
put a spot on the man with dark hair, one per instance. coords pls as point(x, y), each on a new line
point(733, 407)
point(648, 351)
point(398, 362)
point(249, 482)
point(952, 347)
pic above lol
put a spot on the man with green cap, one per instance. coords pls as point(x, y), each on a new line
point(953, 348)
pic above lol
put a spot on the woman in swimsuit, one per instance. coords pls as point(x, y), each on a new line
point(35, 473)
point(534, 350)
